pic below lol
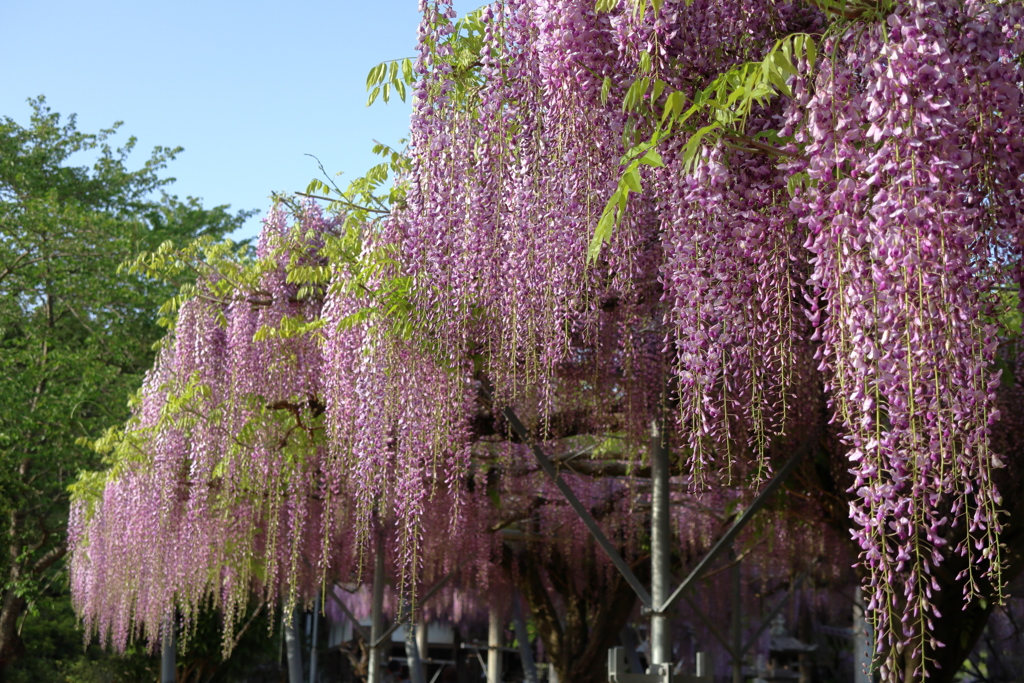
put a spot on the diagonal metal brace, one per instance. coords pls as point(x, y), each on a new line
point(726, 541)
point(584, 514)
point(351, 617)
point(711, 627)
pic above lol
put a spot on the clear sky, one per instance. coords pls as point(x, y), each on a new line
point(247, 88)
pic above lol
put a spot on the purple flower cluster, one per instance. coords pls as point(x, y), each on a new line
point(915, 156)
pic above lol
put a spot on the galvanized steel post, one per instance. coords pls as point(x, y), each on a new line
point(661, 549)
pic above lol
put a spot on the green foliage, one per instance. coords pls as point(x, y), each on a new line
point(387, 77)
point(180, 267)
point(717, 114)
point(76, 335)
point(368, 197)
point(54, 651)
point(465, 43)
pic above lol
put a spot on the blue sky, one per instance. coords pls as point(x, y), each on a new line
point(247, 88)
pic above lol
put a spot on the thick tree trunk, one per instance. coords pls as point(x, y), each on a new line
point(13, 604)
point(11, 646)
point(594, 615)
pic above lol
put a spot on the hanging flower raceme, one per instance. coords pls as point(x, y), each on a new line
point(915, 155)
point(220, 460)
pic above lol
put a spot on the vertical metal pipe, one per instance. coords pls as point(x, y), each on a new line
point(863, 641)
point(422, 643)
point(412, 654)
point(376, 665)
point(168, 668)
point(737, 624)
point(525, 648)
point(494, 646)
point(661, 548)
point(313, 642)
point(292, 647)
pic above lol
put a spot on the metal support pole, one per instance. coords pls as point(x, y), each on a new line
point(168, 668)
point(422, 642)
point(375, 673)
point(737, 623)
point(661, 549)
point(525, 648)
point(863, 641)
point(494, 646)
point(292, 646)
point(412, 653)
point(549, 469)
point(312, 646)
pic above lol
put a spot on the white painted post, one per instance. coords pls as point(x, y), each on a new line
point(292, 646)
point(376, 665)
point(525, 647)
point(863, 641)
point(412, 653)
point(422, 643)
point(661, 550)
point(737, 619)
point(494, 646)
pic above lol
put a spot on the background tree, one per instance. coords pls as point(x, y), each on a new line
point(76, 335)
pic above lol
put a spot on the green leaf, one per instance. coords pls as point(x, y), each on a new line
point(606, 87)
point(775, 79)
point(635, 92)
point(784, 63)
point(674, 104)
point(692, 148)
point(652, 158)
point(374, 76)
point(645, 63)
point(373, 96)
point(604, 228)
point(632, 179)
point(659, 86)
